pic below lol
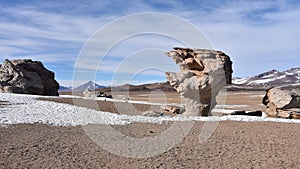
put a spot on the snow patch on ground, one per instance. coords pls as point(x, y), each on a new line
point(254, 96)
point(26, 109)
point(69, 96)
point(131, 101)
point(231, 106)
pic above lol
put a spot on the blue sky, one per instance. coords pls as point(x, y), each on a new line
point(257, 35)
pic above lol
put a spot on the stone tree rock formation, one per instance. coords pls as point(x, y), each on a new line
point(27, 77)
point(203, 73)
point(282, 103)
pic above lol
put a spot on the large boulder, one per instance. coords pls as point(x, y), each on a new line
point(203, 73)
point(282, 103)
point(27, 77)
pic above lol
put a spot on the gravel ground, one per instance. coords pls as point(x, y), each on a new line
point(233, 145)
point(107, 106)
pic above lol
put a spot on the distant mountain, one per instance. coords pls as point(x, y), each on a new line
point(144, 87)
point(64, 89)
point(289, 79)
point(89, 85)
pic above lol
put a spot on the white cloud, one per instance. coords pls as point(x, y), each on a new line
point(258, 35)
point(55, 36)
point(110, 39)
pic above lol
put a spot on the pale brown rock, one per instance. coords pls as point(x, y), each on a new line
point(172, 109)
point(282, 103)
point(27, 77)
point(203, 73)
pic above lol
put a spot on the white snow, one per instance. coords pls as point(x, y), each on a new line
point(230, 106)
point(130, 101)
point(144, 95)
point(269, 76)
point(254, 96)
point(262, 81)
point(26, 109)
point(69, 96)
point(240, 81)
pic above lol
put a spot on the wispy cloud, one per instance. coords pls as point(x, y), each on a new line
point(260, 34)
point(32, 32)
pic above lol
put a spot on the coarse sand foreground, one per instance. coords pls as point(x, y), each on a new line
point(232, 145)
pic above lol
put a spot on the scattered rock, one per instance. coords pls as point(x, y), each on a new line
point(173, 109)
point(27, 77)
point(126, 98)
point(282, 103)
point(93, 94)
point(203, 73)
point(87, 93)
point(102, 94)
point(151, 113)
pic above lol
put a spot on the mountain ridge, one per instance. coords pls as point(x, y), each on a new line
point(164, 86)
point(88, 86)
point(287, 78)
point(64, 89)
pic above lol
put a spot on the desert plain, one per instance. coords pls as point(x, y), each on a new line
point(233, 144)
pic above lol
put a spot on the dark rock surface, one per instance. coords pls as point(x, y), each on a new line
point(244, 113)
point(27, 77)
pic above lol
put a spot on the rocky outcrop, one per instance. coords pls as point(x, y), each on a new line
point(203, 73)
point(27, 77)
point(282, 103)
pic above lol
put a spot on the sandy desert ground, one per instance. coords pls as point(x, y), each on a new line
point(241, 100)
point(233, 144)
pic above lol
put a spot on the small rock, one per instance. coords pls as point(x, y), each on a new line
point(173, 109)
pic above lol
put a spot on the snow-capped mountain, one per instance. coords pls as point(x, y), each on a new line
point(89, 85)
point(271, 78)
